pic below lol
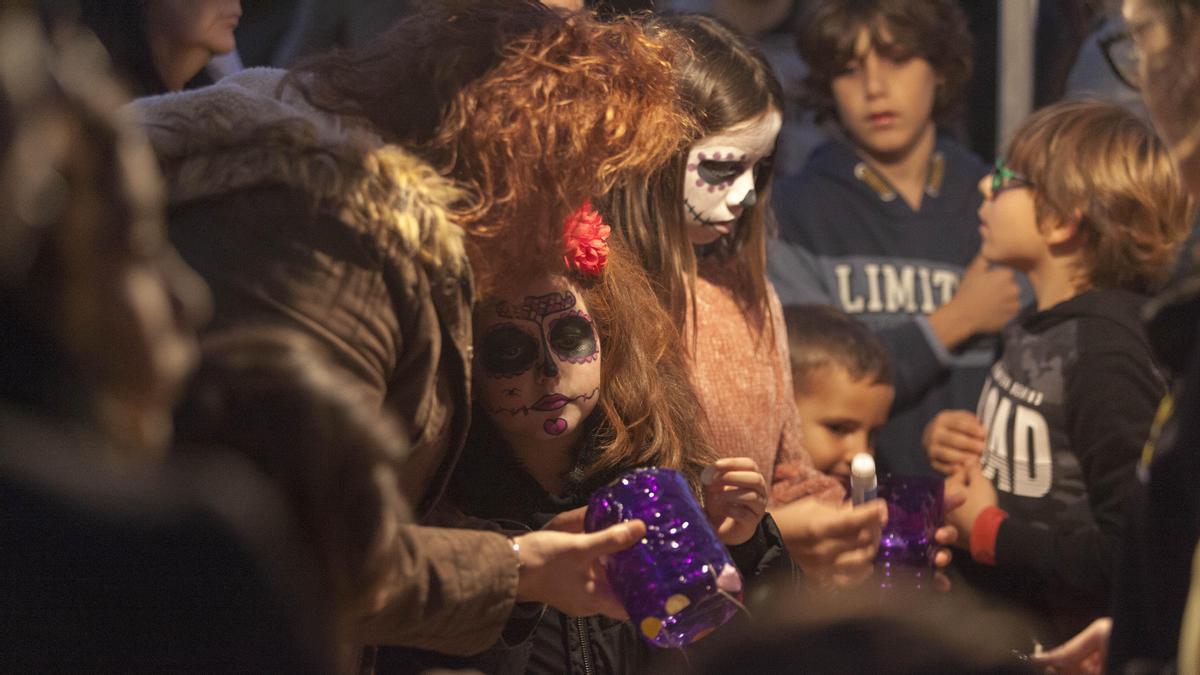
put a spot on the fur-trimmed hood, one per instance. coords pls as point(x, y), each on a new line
point(248, 130)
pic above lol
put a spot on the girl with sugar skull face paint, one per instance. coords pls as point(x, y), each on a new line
point(539, 358)
point(720, 178)
point(580, 379)
point(699, 229)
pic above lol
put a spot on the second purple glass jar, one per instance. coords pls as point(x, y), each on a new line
point(907, 544)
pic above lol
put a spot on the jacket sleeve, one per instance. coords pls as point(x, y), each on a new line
point(445, 590)
point(796, 274)
point(1111, 402)
point(764, 556)
point(919, 357)
point(396, 583)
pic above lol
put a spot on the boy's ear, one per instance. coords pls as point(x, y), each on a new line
point(1063, 230)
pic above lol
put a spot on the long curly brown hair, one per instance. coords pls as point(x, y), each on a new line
point(532, 109)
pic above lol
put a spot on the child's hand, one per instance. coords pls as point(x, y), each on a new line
point(991, 294)
point(832, 543)
point(952, 439)
point(969, 483)
point(735, 498)
point(987, 298)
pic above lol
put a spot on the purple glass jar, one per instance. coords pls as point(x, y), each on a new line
point(678, 583)
point(907, 544)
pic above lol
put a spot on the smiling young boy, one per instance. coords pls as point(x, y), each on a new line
point(881, 222)
point(1090, 208)
point(842, 377)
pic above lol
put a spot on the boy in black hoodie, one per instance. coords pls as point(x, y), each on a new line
point(1090, 208)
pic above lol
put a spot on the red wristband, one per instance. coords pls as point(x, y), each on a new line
point(983, 534)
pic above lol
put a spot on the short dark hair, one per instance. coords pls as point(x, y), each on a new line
point(935, 30)
point(820, 335)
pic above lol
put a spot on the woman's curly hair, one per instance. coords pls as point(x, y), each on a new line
point(532, 109)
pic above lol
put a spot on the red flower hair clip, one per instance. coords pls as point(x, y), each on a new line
point(585, 236)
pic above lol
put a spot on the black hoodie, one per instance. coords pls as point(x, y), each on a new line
point(1067, 408)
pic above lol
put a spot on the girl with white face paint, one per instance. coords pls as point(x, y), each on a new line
point(699, 228)
point(720, 178)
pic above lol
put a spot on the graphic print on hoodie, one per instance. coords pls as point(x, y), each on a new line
point(1067, 410)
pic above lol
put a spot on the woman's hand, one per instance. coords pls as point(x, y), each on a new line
point(564, 571)
point(735, 498)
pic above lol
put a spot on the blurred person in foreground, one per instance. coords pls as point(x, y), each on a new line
point(866, 630)
point(114, 559)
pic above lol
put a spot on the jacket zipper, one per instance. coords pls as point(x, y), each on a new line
point(585, 645)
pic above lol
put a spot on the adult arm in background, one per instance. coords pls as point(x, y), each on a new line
point(426, 597)
point(986, 299)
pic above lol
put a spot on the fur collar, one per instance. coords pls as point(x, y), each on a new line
point(247, 130)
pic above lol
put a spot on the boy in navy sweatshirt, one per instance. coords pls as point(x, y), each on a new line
point(1090, 208)
point(881, 224)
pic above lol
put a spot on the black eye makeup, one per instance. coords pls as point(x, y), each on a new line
point(573, 338)
point(715, 172)
point(507, 351)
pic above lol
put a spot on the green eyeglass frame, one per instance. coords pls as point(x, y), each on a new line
point(1004, 178)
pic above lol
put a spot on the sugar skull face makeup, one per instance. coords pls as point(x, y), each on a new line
point(538, 359)
point(719, 176)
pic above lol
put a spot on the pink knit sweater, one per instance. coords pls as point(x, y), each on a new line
point(744, 382)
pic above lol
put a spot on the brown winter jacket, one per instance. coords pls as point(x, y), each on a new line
point(307, 221)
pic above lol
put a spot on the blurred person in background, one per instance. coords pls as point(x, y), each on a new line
point(892, 75)
point(1150, 599)
point(159, 46)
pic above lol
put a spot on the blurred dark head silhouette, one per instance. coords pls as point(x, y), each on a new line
point(869, 631)
point(99, 312)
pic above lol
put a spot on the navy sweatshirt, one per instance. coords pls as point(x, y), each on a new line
point(848, 240)
point(1067, 410)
